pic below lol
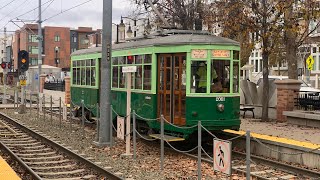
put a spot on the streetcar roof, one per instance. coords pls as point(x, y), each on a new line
point(176, 39)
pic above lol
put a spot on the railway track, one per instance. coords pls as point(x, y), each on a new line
point(43, 158)
point(265, 169)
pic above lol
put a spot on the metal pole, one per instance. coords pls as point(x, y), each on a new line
point(82, 115)
point(4, 100)
point(98, 121)
point(30, 101)
point(162, 143)
point(134, 135)
point(105, 89)
point(199, 150)
point(60, 112)
point(44, 107)
point(39, 45)
point(110, 124)
point(38, 106)
point(70, 114)
point(128, 113)
point(248, 155)
point(51, 108)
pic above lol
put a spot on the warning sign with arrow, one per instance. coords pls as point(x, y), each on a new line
point(222, 156)
point(120, 127)
point(310, 62)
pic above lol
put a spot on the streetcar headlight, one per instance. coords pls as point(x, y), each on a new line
point(220, 107)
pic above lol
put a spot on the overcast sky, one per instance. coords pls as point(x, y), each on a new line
point(89, 14)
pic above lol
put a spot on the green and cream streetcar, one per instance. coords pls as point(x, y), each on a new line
point(185, 76)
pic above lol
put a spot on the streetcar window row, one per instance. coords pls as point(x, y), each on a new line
point(84, 72)
point(141, 79)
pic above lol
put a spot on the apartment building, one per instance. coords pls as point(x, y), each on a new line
point(58, 43)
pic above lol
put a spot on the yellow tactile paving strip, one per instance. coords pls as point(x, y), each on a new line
point(277, 139)
point(6, 172)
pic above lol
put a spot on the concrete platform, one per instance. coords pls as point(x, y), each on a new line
point(6, 172)
point(303, 118)
point(292, 151)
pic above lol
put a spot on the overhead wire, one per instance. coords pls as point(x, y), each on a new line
point(11, 13)
point(66, 10)
point(7, 4)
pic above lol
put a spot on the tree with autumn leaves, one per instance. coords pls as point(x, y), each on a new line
point(279, 26)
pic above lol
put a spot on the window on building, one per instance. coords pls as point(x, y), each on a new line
point(33, 61)
point(314, 49)
point(33, 49)
point(74, 39)
point(57, 38)
point(141, 79)
point(73, 50)
point(33, 38)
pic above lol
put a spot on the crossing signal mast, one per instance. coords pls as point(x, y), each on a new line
point(23, 61)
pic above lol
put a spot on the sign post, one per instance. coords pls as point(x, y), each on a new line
point(128, 70)
point(222, 156)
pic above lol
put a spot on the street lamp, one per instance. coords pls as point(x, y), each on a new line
point(129, 32)
point(56, 49)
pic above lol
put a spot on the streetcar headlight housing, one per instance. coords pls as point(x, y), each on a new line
point(220, 107)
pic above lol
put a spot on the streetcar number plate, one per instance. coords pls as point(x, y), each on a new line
point(220, 99)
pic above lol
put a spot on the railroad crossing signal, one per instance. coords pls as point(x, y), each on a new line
point(222, 156)
point(23, 60)
point(310, 62)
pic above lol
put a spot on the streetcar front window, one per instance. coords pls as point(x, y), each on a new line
point(220, 76)
point(198, 77)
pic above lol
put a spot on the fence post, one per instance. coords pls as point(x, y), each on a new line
point(60, 112)
point(14, 101)
point(30, 100)
point(199, 151)
point(82, 115)
point(248, 155)
point(111, 125)
point(38, 106)
point(51, 108)
point(134, 135)
point(98, 122)
point(71, 113)
point(44, 106)
point(162, 143)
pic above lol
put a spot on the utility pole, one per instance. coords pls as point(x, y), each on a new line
point(39, 46)
point(105, 128)
point(4, 100)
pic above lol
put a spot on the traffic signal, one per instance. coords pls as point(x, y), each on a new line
point(23, 61)
point(3, 65)
point(9, 65)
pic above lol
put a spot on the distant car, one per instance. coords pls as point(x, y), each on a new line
point(305, 88)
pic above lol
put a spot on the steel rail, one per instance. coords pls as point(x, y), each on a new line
point(21, 163)
point(282, 166)
point(233, 169)
point(64, 150)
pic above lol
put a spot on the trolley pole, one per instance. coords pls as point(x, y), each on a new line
point(105, 128)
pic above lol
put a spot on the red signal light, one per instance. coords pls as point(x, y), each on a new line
point(130, 59)
point(9, 65)
point(3, 65)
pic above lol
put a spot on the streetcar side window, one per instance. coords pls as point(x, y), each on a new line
point(198, 77)
point(220, 76)
point(147, 77)
point(236, 77)
point(141, 79)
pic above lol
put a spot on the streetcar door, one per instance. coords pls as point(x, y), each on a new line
point(172, 87)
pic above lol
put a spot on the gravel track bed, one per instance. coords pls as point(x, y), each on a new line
point(145, 167)
point(15, 166)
